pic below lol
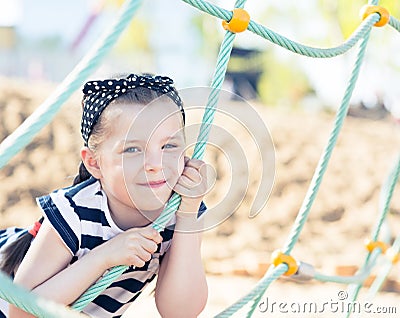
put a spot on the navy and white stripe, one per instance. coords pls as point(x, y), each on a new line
point(9, 235)
point(81, 217)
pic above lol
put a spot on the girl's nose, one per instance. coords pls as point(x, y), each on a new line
point(153, 161)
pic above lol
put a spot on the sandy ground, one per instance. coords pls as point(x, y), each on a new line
point(237, 251)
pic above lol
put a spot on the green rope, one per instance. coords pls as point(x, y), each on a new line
point(48, 109)
point(394, 23)
point(320, 170)
point(387, 266)
point(324, 160)
point(309, 51)
point(286, 43)
point(31, 303)
point(388, 190)
point(272, 274)
point(360, 277)
point(387, 194)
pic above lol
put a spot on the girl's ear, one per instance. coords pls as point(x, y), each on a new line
point(90, 162)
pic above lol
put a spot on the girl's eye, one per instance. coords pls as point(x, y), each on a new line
point(169, 146)
point(132, 149)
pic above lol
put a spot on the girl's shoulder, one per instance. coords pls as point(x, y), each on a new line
point(70, 210)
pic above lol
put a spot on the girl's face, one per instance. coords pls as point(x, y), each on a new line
point(143, 155)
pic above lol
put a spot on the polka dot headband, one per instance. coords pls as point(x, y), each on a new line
point(99, 94)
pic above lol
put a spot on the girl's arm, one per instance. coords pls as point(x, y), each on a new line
point(181, 289)
point(45, 269)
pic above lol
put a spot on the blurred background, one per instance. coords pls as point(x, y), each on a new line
point(37, 42)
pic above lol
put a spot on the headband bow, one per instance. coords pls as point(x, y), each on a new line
point(99, 94)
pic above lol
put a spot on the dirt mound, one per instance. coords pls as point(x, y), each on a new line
point(344, 213)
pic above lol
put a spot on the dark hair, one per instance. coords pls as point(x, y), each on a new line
point(15, 252)
point(138, 95)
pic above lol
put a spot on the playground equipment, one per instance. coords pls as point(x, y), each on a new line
point(283, 263)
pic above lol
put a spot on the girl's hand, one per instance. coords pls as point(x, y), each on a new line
point(192, 185)
point(132, 247)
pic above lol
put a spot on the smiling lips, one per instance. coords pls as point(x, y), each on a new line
point(154, 184)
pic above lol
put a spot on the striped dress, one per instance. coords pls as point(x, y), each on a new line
point(80, 216)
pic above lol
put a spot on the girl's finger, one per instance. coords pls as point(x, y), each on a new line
point(150, 246)
point(137, 261)
point(181, 190)
point(195, 163)
point(185, 182)
point(152, 234)
point(192, 174)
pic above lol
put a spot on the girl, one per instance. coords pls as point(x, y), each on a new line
point(132, 161)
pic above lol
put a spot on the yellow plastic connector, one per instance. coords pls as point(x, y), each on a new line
point(239, 22)
point(370, 9)
point(371, 245)
point(278, 258)
point(393, 256)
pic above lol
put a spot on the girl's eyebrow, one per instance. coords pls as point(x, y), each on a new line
point(132, 141)
point(174, 138)
point(122, 143)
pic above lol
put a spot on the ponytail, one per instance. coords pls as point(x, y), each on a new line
point(82, 175)
point(15, 252)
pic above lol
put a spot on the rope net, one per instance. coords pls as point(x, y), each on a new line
point(283, 263)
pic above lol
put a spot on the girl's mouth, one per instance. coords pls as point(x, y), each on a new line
point(154, 184)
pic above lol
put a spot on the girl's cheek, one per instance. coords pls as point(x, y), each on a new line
point(131, 164)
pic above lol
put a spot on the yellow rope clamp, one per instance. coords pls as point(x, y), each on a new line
point(371, 245)
point(370, 9)
point(239, 22)
point(278, 258)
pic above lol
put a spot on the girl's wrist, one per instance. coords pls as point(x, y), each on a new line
point(189, 205)
point(186, 221)
point(187, 216)
point(101, 258)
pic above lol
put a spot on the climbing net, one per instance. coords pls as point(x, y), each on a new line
point(283, 263)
